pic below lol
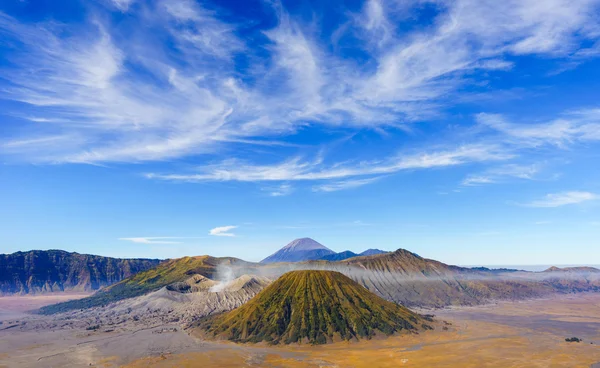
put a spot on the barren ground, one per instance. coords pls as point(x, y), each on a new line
point(12, 307)
point(519, 334)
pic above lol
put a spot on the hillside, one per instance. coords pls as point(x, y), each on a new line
point(303, 249)
point(167, 273)
point(407, 278)
point(43, 271)
point(312, 307)
point(182, 302)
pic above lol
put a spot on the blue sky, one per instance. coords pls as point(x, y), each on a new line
point(466, 131)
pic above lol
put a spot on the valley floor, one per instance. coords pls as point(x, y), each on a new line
point(17, 306)
point(507, 334)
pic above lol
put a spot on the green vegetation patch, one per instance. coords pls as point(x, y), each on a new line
point(313, 307)
point(142, 283)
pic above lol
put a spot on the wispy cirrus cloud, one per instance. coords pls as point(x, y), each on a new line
point(343, 185)
point(571, 127)
point(279, 190)
point(222, 231)
point(37, 142)
point(503, 173)
point(154, 240)
point(131, 99)
point(122, 5)
point(297, 169)
point(563, 199)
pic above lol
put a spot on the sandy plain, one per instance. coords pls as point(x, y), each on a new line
point(506, 334)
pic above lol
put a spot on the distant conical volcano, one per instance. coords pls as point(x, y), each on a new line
point(303, 249)
point(312, 307)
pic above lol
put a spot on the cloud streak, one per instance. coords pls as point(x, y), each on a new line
point(576, 126)
point(154, 240)
point(297, 169)
point(343, 185)
point(564, 199)
point(503, 173)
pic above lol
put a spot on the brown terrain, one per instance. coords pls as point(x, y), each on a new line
point(505, 334)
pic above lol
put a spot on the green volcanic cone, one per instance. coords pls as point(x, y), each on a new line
point(312, 307)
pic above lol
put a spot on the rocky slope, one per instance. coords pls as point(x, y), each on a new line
point(40, 271)
point(299, 250)
point(167, 273)
point(312, 307)
point(205, 298)
point(180, 303)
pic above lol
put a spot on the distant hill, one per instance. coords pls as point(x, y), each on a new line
point(495, 270)
point(339, 256)
point(43, 271)
point(299, 250)
point(313, 307)
point(573, 269)
point(372, 252)
point(349, 254)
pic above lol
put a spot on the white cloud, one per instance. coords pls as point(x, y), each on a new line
point(499, 174)
point(297, 169)
point(373, 20)
point(35, 141)
point(131, 99)
point(563, 199)
point(86, 87)
point(280, 190)
point(583, 125)
point(153, 240)
point(478, 180)
point(344, 184)
point(222, 231)
point(122, 5)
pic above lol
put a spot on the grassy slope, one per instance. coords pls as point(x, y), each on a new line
point(314, 307)
point(142, 283)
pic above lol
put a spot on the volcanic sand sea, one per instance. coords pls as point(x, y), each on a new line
point(16, 306)
point(507, 334)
